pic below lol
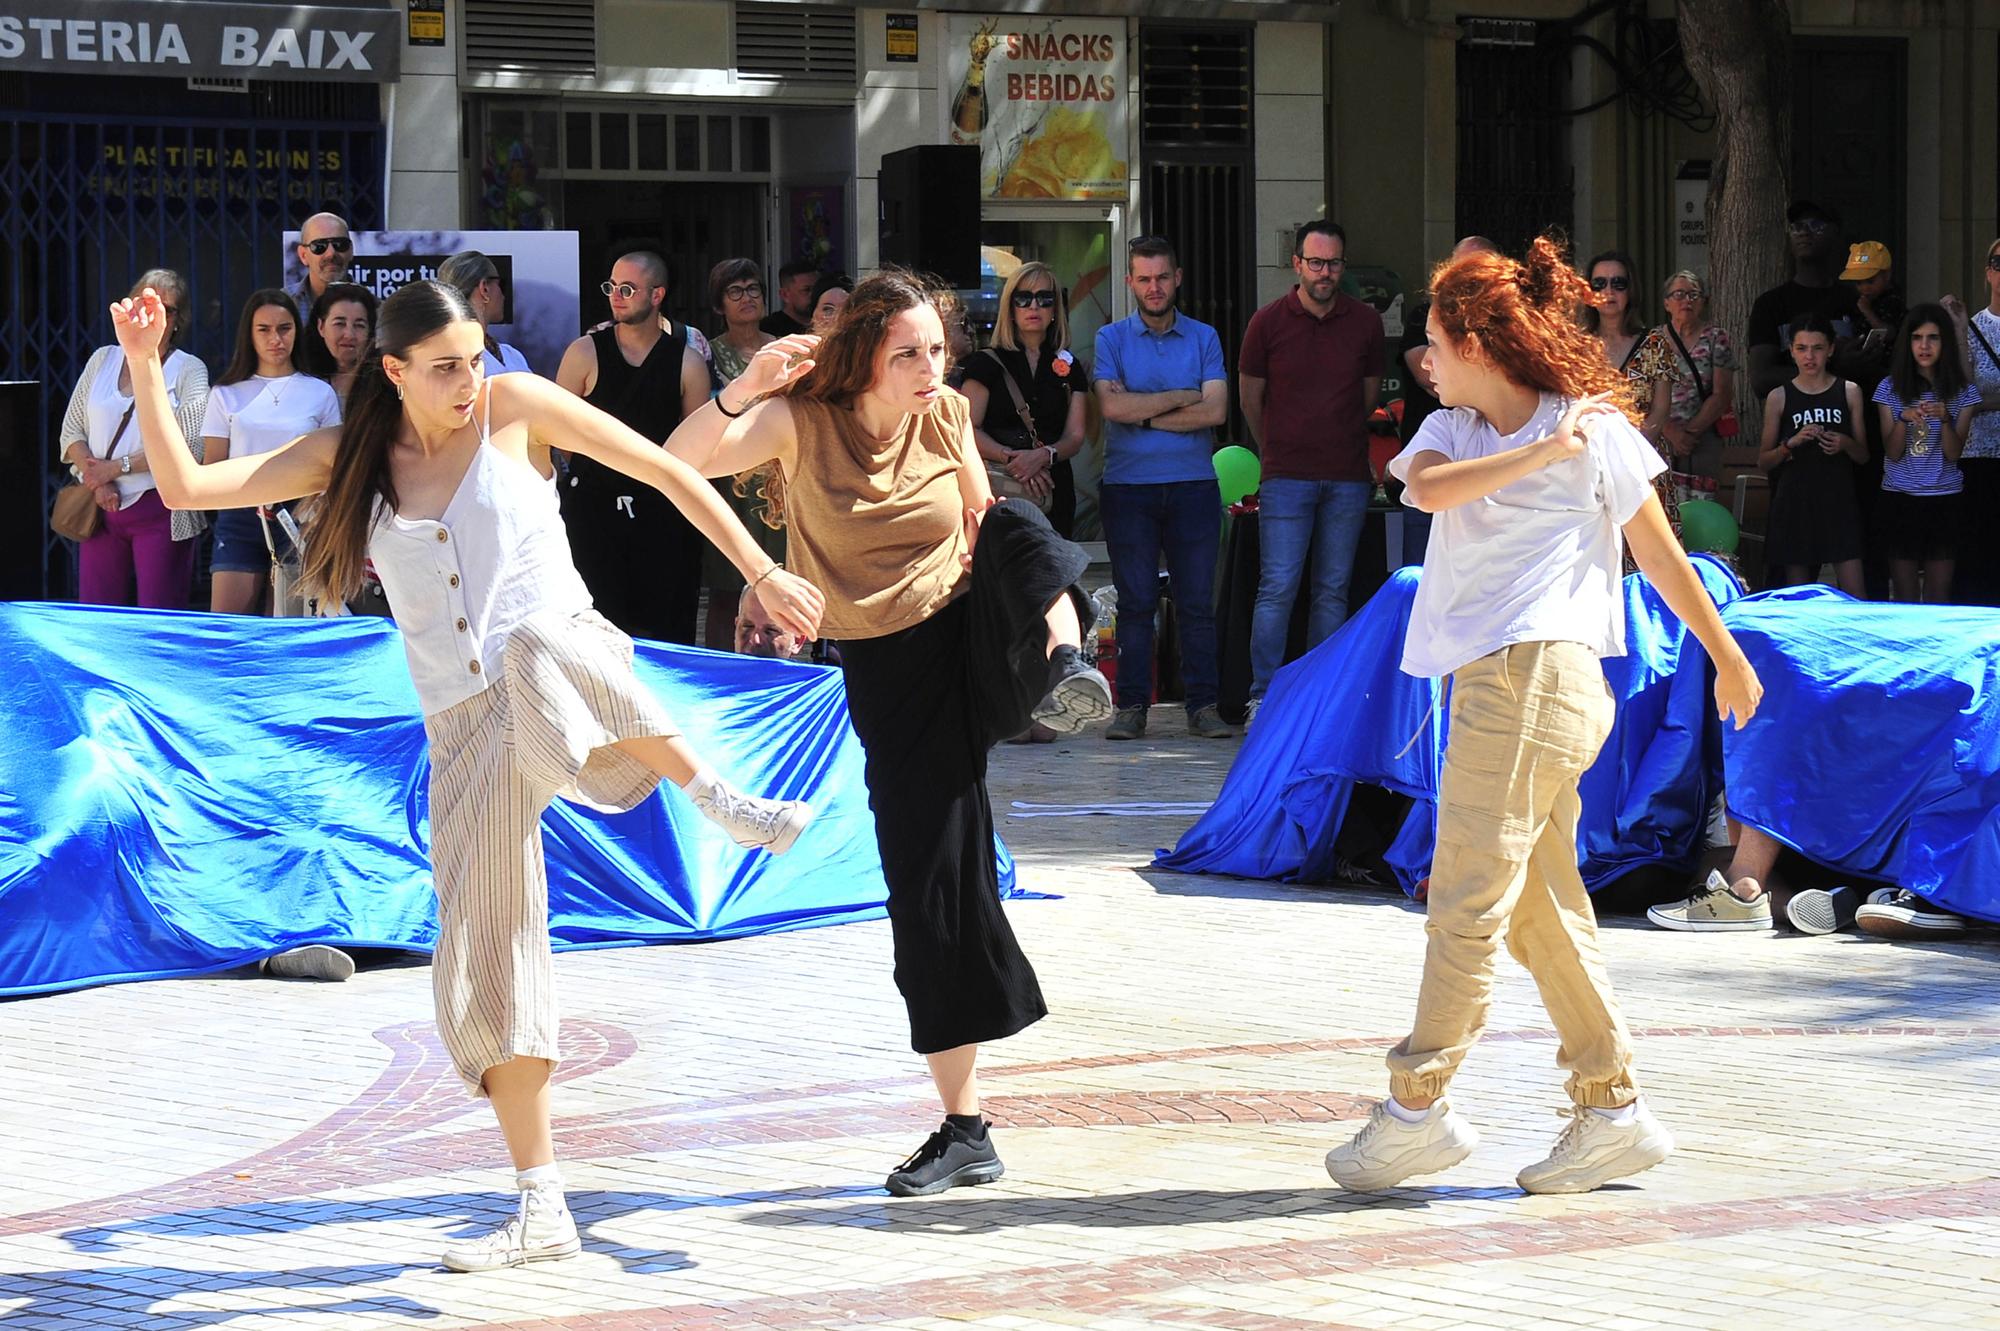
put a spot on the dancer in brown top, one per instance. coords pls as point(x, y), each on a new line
point(959, 622)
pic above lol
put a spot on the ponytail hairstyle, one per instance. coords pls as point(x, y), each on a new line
point(1522, 313)
point(844, 361)
point(1948, 377)
point(243, 362)
point(336, 535)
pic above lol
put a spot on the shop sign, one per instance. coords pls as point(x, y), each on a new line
point(200, 40)
point(298, 175)
point(1044, 98)
point(902, 38)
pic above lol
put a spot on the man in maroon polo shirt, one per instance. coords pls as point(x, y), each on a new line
point(1309, 376)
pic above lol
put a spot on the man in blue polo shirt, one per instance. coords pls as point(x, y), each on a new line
point(1160, 382)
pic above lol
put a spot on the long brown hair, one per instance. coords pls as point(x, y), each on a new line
point(844, 362)
point(336, 534)
point(244, 361)
point(1523, 313)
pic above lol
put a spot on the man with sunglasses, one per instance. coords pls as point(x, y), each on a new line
point(326, 252)
point(1818, 254)
point(1309, 377)
point(640, 558)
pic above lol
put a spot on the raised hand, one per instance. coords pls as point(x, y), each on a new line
point(1570, 437)
point(141, 324)
point(795, 605)
point(779, 363)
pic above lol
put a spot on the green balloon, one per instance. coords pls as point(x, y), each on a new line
point(1707, 525)
point(1238, 472)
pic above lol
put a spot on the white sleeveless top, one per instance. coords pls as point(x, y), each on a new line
point(460, 584)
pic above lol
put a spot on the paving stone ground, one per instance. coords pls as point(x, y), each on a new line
point(246, 1153)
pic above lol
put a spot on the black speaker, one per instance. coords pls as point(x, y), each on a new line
point(24, 500)
point(930, 211)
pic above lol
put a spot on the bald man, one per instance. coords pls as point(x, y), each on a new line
point(326, 252)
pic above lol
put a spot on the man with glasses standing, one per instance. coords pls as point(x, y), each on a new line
point(1163, 390)
point(326, 252)
point(638, 556)
point(1309, 377)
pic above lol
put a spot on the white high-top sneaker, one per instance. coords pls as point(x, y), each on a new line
point(750, 820)
point(541, 1231)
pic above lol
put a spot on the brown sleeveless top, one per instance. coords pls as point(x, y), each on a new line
point(877, 524)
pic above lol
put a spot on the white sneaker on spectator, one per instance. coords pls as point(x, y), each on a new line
point(542, 1230)
point(1250, 710)
point(1593, 1150)
point(1387, 1150)
point(315, 961)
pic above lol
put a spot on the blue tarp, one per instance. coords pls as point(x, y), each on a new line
point(1346, 713)
point(181, 793)
point(1877, 750)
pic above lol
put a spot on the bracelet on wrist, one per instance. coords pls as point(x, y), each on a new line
point(723, 407)
point(765, 574)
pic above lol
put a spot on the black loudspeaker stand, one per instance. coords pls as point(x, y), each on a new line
point(930, 212)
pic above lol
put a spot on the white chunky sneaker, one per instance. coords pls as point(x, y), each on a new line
point(1593, 1150)
point(751, 820)
point(1387, 1150)
point(541, 1231)
point(315, 961)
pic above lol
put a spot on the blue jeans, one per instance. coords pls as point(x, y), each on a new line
point(1293, 517)
point(1184, 518)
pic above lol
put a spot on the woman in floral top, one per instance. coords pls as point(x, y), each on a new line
point(1690, 367)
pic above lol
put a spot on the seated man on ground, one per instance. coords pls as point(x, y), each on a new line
point(1746, 897)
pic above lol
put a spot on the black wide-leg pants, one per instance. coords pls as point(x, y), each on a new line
point(928, 703)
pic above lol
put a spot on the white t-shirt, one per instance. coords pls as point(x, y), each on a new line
point(1535, 561)
point(507, 360)
point(260, 415)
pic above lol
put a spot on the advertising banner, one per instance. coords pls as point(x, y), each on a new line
point(1044, 98)
point(537, 268)
point(334, 43)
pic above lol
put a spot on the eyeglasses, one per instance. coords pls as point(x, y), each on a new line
point(1683, 294)
point(744, 291)
point(338, 244)
point(622, 290)
point(1615, 283)
point(1993, 262)
point(1321, 265)
point(1808, 226)
point(1045, 300)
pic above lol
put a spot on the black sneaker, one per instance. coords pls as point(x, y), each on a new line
point(1078, 696)
point(1904, 914)
point(949, 1158)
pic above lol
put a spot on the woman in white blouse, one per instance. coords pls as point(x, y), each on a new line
point(260, 403)
point(141, 546)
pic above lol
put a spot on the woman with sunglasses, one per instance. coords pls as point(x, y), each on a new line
point(259, 402)
point(1608, 312)
point(337, 333)
point(1978, 578)
point(141, 554)
point(1029, 361)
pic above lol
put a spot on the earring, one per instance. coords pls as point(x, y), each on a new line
point(399, 392)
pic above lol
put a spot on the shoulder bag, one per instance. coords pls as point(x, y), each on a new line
point(74, 515)
point(998, 478)
point(1726, 425)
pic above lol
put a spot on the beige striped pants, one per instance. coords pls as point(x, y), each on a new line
point(540, 731)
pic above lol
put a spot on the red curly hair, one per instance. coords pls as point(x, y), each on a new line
point(1523, 312)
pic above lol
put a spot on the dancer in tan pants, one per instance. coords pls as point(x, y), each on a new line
point(1537, 482)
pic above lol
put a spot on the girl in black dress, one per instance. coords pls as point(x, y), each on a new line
point(1812, 443)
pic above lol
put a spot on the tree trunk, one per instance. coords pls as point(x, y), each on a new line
point(1740, 53)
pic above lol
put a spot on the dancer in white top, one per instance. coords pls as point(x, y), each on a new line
point(260, 402)
point(1537, 480)
point(442, 477)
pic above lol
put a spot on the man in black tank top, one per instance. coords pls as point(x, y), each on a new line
point(640, 558)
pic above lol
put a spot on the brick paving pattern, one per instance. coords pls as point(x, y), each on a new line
point(245, 1153)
